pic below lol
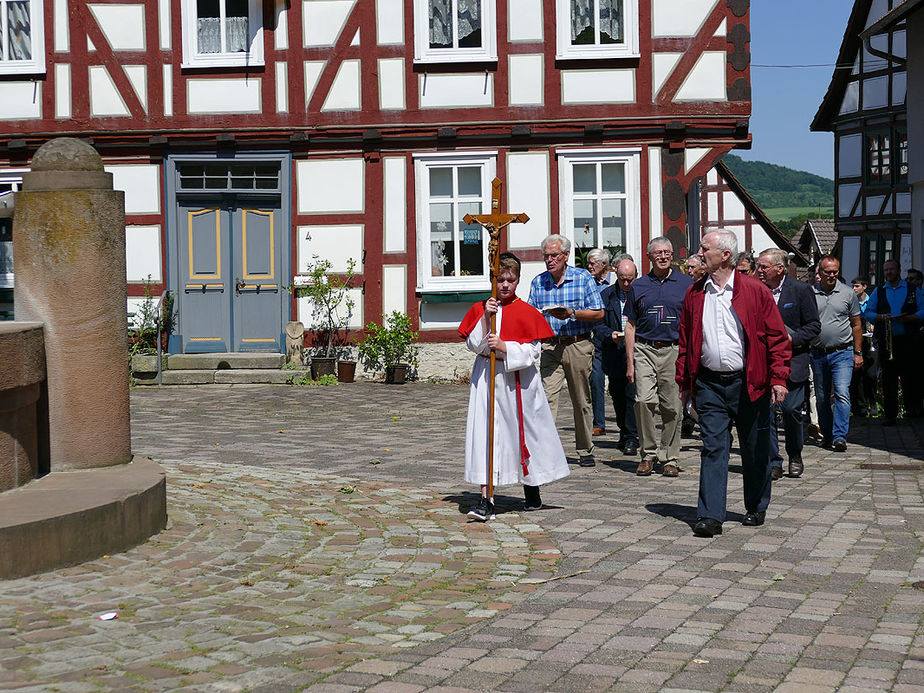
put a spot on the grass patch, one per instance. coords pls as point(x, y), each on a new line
point(780, 213)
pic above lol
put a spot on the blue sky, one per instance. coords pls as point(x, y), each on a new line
point(786, 32)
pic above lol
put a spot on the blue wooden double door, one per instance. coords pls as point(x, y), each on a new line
point(231, 286)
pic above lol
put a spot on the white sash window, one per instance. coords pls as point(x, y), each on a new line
point(597, 29)
point(222, 33)
point(454, 31)
point(22, 50)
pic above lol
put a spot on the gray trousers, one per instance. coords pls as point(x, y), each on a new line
point(656, 391)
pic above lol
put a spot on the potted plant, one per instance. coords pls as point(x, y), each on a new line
point(331, 307)
point(390, 347)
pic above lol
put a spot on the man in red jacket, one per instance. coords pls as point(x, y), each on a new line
point(733, 361)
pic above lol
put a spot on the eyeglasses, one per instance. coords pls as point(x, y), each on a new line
point(830, 273)
point(662, 253)
point(551, 256)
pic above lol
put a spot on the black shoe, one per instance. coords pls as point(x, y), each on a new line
point(630, 449)
point(776, 473)
point(686, 428)
point(587, 461)
point(839, 445)
point(533, 500)
point(482, 512)
point(795, 467)
point(707, 527)
point(753, 519)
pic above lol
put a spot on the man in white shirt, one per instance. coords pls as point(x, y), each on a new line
point(734, 362)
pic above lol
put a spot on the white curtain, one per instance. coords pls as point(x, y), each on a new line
point(582, 16)
point(20, 25)
point(469, 21)
point(236, 37)
point(209, 35)
point(469, 18)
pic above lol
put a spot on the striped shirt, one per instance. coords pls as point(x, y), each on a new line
point(577, 291)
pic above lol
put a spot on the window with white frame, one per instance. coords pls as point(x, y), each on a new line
point(453, 255)
point(600, 205)
point(597, 29)
point(454, 31)
point(22, 49)
point(222, 33)
point(10, 182)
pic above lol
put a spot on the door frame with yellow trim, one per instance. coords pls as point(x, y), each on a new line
point(229, 251)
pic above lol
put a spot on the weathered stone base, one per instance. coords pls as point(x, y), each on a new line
point(69, 517)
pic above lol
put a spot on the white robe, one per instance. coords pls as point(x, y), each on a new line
point(547, 456)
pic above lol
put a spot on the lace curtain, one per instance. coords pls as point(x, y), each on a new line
point(582, 17)
point(210, 34)
point(20, 26)
point(469, 21)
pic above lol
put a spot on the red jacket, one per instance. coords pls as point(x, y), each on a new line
point(767, 351)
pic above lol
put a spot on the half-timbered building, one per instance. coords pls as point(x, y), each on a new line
point(865, 109)
point(252, 135)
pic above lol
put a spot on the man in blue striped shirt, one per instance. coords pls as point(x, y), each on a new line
point(568, 298)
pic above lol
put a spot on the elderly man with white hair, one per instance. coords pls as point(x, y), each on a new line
point(733, 361)
point(569, 299)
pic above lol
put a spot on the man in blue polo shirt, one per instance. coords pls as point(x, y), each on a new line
point(898, 307)
point(568, 298)
point(652, 328)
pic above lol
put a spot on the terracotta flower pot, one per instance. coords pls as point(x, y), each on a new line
point(346, 371)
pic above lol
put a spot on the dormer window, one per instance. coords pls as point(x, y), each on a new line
point(455, 31)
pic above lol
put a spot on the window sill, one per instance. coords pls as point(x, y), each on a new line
point(431, 296)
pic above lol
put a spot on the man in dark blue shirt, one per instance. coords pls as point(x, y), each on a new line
point(652, 327)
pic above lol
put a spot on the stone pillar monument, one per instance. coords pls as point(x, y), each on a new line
point(69, 245)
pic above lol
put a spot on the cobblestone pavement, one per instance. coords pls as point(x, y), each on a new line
point(317, 541)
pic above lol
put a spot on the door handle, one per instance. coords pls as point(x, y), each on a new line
point(238, 285)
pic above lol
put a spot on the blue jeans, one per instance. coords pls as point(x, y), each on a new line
point(722, 404)
point(598, 388)
point(791, 408)
point(832, 373)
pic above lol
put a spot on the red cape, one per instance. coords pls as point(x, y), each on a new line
point(522, 323)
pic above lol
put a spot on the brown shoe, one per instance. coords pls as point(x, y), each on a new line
point(599, 431)
point(645, 467)
point(776, 473)
point(670, 469)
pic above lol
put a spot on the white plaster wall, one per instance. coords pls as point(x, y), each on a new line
point(330, 185)
point(850, 154)
point(875, 92)
point(851, 99)
point(462, 90)
point(441, 316)
point(739, 234)
point(391, 84)
point(133, 307)
point(899, 88)
point(526, 79)
point(712, 207)
point(138, 78)
point(142, 253)
point(528, 191)
point(62, 90)
point(394, 288)
point(528, 24)
point(141, 183)
point(168, 90)
point(281, 34)
point(339, 244)
point(282, 87)
point(344, 94)
point(903, 203)
point(62, 41)
point(313, 69)
point(760, 241)
point(846, 197)
point(679, 17)
point(662, 65)
point(395, 221)
point(528, 271)
point(389, 22)
point(228, 95)
point(706, 81)
point(712, 177)
point(874, 204)
point(122, 25)
point(655, 206)
point(163, 23)
point(323, 20)
point(692, 156)
point(850, 257)
point(732, 207)
point(598, 86)
point(105, 99)
point(304, 311)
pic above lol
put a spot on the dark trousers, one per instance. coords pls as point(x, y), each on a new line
point(791, 410)
point(622, 392)
point(598, 387)
point(721, 403)
point(863, 382)
point(900, 367)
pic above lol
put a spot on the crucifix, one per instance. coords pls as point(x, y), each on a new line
point(493, 223)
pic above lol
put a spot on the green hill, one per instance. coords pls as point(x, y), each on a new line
point(776, 187)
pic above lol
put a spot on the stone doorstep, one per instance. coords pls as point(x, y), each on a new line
point(68, 517)
point(142, 364)
point(237, 376)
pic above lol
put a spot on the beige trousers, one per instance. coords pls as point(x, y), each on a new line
point(656, 390)
point(571, 363)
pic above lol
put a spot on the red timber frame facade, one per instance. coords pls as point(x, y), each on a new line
point(678, 129)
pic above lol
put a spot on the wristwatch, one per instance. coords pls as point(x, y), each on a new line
point(573, 314)
point(858, 353)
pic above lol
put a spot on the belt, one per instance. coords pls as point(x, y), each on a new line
point(655, 343)
point(721, 376)
point(831, 350)
point(570, 339)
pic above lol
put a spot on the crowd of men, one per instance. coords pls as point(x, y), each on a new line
point(731, 339)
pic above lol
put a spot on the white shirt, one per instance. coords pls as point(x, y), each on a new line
point(723, 336)
point(776, 292)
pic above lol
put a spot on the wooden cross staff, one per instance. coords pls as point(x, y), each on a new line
point(493, 223)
